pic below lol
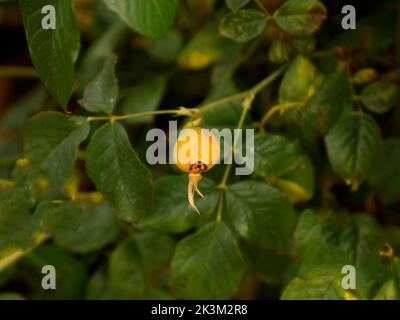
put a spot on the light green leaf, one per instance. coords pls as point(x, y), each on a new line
point(101, 93)
point(260, 214)
point(285, 164)
point(236, 4)
point(11, 296)
point(352, 146)
point(300, 17)
point(143, 98)
point(151, 18)
point(171, 212)
point(365, 76)
point(208, 264)
point(51, 143)
point(96, 228)
point(300, 81)
point(317, 286)
point(279, 51)
point(380, 96)
point(116, 170)
point(205, 48)
point(388, 292)
point(243, 25)
point(53, 52)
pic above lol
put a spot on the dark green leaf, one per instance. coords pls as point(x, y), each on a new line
point(97, 287)
point(98, 51)
point(326, 243)
point(136, 262)
point(208, 264)
point(380, 96)
point(171, 211)
point(333, 99)
point(18, 113)
point(71, 273)
point(58, 218)
point(260, 260)
point(96, 228)
point(152, 18)
point(166, 49)
point(352, 146)
point(243, 25)
point(143, 98)
point(387, 170)
point(101, 93)
point(51, 143)
point(260, 214)
point(300, 17)
point(53, 52)
point(116, 170)
point(16, 222)
point(226, 115)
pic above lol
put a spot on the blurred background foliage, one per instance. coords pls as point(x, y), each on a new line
point(326, 186)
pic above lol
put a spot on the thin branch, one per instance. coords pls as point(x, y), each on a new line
point(254, 90)
point(178, 112)
point(18, 72)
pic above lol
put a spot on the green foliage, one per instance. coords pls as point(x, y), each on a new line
point(380, 96)
point(133, 266)
point(96, 227)
point(236, 4)
point(386, 169)
point(77, 192)
point(285, 164)
point(300, 17)
point(208, 264)
point(324, 244)
point(112, 164)
point(143, 98)
point(243, 25)
point(170, 212)
point(150, 18)
point(102, 92)
point(51, 143)
point(53, 52)
point(205, 48)
point(352, 146)
point(254, 207)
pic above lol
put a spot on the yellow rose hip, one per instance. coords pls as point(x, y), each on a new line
point(196, 151)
